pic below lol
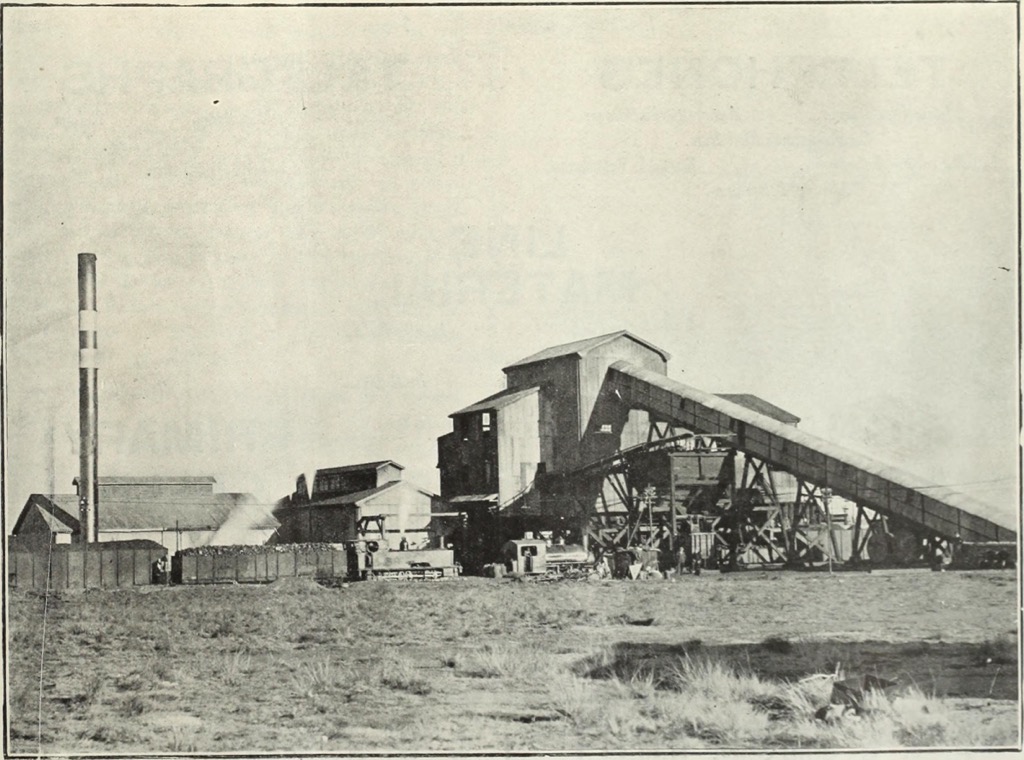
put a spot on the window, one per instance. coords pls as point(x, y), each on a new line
point(606, 428)
point(485, 422)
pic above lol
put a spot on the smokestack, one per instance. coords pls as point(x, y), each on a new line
point(88, 407)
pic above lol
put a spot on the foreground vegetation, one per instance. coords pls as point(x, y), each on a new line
point(721, 661)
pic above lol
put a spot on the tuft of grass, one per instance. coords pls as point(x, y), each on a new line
point(642, 684)
point(105, 733)
point(399, 675)
point(181, 741)
point(503, 661)
point(235, 667)
point(221, 627)
point(714, 679)
point(162, 671)
point(133, 707)
point(134, 681)
point(572, 697)
point(313, 678)
point(90, 692)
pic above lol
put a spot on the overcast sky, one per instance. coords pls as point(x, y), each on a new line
point(321, 231)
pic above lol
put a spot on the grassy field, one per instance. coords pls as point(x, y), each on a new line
point(481, 665)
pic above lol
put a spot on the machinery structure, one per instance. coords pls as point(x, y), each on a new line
point(592, 443)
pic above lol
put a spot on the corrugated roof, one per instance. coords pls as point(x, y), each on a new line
point(496, 401)
point(353, 499)
point(153, 480)
point(759, 405)
point(581, 347)
point(474, 497)
point(357, 498)
point(147, 514)
point(354, 467)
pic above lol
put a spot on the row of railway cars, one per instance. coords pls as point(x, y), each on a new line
point(352, 561)
point(121, 564)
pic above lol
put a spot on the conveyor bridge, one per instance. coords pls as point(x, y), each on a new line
point(891, 492)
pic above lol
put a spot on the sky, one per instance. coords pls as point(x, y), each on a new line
point(320, 231)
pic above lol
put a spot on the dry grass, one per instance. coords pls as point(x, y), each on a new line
point(705, 703)
point(485, 666)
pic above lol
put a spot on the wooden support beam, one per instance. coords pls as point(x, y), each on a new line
point(855, 556)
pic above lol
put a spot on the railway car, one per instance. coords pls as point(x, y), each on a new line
point(349, 561)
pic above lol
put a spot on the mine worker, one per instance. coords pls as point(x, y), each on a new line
point(403, 545)
point(936, 555)
point(160, 570)
point(666, 558)
point(686, 540)
point(722, 556)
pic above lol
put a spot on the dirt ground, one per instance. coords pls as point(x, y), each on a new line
point(486, 665)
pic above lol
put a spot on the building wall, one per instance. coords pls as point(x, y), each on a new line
point(407, 510)
point(593, 367)
point(573, 409)
point(558, 380)
point(468, 456)
point(519, 446)
point(387, 473)
point(327, 484)
point(309, 523)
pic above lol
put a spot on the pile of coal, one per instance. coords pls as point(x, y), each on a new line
point(223, 551)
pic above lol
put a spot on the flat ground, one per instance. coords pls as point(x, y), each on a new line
point(507, 665)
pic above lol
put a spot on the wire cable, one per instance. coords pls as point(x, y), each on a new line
point(42, 650)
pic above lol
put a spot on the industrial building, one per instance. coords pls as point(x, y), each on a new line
point(344, 500)
point(591, 442)
point(178, 512)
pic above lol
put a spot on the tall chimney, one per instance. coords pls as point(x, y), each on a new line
point(88, 406)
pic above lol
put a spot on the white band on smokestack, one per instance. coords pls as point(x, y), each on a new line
point(87, 320)
point(89, 358)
